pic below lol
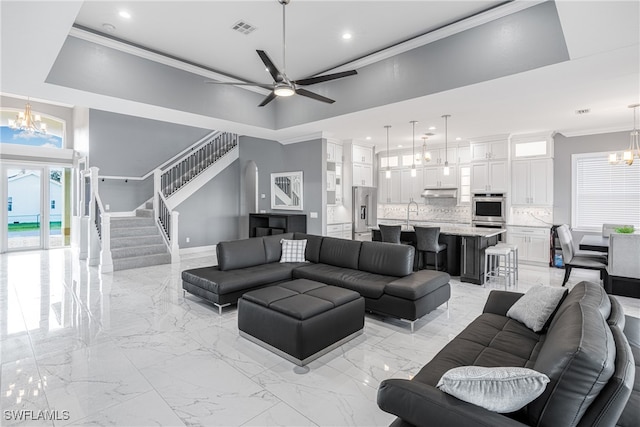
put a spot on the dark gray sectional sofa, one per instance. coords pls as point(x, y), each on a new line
point(584, 353)
point(381, 272)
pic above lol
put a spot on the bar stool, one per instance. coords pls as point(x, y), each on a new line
point(390, 233)
point(427, 242)
point(493, 255)
point(514, 255)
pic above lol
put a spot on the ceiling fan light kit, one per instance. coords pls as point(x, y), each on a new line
point(282, 86)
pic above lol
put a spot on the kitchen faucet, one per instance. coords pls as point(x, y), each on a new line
point(409, 210)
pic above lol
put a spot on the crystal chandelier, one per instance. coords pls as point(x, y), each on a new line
point(633, 152)
point(28, 121)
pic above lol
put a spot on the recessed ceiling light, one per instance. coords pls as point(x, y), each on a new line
point(347, 36)
point(124, 14)
point(399, 145)
point(458, 139)
point(432, 128)
point(109, 28)
point(368, 138)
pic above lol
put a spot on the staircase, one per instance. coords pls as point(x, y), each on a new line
point(136, 241)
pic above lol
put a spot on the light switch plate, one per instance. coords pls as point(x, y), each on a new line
point(313, 214)
point(107, 207)
point(263, 196)
point(263, 211)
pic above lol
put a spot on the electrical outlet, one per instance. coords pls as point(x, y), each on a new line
point(263, 196)
point(107, 207)
point(188, 239)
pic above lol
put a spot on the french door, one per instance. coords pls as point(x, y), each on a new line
point(34, 207)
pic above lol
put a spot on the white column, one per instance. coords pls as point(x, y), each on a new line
point(106, 262)
point(92, 232)
point(175, 248)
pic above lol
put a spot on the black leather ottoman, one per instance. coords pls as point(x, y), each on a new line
point(300, 320)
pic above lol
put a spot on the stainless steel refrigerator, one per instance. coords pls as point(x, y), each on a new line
point(365, 212)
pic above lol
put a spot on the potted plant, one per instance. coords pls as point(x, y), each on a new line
point(625, 229)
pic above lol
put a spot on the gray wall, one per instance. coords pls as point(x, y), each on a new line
point(127, 146)
point(564, 147)
point(210, 215)
point(271, 156)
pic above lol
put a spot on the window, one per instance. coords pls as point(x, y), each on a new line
point(604, 193)
point(10, 204)
point(391, 161)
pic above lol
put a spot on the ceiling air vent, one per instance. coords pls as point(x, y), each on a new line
point(583, 111)
point(243, 27)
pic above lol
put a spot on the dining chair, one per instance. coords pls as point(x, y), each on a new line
point(427, 242)
point(572, 260)
point(390, 233)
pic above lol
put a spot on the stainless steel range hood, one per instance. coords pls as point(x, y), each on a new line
point(440, 193)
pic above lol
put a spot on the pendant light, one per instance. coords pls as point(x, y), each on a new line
point(445, 171)
point(387, 174)
point(426, 155)
point(413, 150)
point(633, 152)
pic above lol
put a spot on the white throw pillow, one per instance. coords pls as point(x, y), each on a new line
point(536, 306)
point(503, 390)
point(293, 250)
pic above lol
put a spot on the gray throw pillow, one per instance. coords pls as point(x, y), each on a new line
point(536, 306)
point(503, 389)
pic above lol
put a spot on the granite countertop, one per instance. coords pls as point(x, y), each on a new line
point(460, 229)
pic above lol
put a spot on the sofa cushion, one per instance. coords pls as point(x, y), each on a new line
point(273, 247)
point(240, 253)
point(388, 259)
point(499, 389)
point(368, 285)
point(578, 356)
point(312, 253)
point(340, 252)
point(224, 282)
point(490, 340)
point(417, 285)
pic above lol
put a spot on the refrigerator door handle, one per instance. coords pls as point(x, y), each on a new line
point(363, 212)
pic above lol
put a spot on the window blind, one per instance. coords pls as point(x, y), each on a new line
point(605, 193)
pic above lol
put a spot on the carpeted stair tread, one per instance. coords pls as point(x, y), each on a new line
point(132, 221)
point(140, 250)
point(129, 241)
point(134, 231)
point(141, 261)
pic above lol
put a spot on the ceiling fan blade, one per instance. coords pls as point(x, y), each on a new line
point(271, 67)
point(315, 96)
point(325, 78)
point(268, 99)
point(265, 86)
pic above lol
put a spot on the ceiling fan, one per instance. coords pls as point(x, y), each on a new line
point(282, 85)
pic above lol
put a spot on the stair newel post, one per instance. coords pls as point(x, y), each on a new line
point(157, 188)
point(94, 238)
point(175, 248)
point(106, 261)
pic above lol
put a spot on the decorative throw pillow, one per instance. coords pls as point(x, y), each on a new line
point(503, 390)
point(536, 306)
point(293, 250)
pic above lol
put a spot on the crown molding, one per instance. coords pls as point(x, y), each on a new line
point(304, 138)
point(595, 131)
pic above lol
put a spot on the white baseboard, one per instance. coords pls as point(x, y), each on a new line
point(197, 249)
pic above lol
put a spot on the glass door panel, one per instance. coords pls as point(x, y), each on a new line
point(59, 206)
point(24, 209)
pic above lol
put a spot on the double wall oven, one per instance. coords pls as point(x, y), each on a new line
point(488, 211)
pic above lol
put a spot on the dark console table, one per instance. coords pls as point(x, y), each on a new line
point(266, 224)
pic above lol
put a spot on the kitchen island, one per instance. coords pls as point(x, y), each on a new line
point(465, 247)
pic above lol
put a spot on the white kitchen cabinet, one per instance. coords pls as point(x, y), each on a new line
point(435, 178)
point(331, 152)
point(340, 231)
point(383, 188)
point(331, 180)
point(464, 155)
point(395, 186)
point(412, 186)
point(362, 154)
point(362, 175)
point(532, 182)
point(489, 177)
point(533, 243)
point(491, 150)
point(338, 153)
point(439, 155)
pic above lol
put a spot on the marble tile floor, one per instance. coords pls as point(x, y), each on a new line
point(128, 349)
